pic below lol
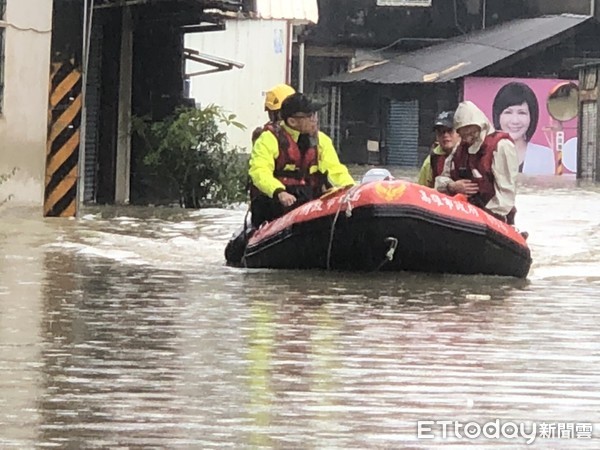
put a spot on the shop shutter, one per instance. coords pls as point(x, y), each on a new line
point(329, 117)
point(403, 133)
point(92, 102)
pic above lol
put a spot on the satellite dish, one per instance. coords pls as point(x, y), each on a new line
point(563, 101)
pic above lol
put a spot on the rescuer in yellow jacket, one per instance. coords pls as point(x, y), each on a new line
point(292, 161)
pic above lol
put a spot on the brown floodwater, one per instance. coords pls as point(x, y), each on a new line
point(124, 329)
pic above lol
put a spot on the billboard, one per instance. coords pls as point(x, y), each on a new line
point(518, 106)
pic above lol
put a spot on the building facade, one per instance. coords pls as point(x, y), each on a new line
point(372, 115)
point(67, 96)
point(240, 90)
point(387, 109)
point(26, 32)
point(258, 47)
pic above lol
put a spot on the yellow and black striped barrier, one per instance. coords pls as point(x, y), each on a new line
point(62, 153)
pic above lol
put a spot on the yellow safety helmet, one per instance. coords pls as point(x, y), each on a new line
point(276, 95)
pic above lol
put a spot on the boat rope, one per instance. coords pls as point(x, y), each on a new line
point(389, 255)
point(345, 200)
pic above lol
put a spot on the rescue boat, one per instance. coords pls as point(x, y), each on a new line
point(389, 225)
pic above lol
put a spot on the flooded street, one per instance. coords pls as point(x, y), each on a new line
point(125, 329)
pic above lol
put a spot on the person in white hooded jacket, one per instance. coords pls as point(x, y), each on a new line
point(484, 166)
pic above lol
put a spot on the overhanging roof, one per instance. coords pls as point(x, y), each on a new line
point(226, 5)
point(464, 55)
point(298, 11)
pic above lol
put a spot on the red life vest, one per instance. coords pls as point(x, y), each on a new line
point(437, 163)
point(463, 164)
point(293, 166)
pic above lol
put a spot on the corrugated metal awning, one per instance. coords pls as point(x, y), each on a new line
point(463, 55)
point(297, 11)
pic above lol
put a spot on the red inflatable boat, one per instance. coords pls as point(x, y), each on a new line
point(390, 225)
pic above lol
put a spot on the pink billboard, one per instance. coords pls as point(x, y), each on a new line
point(518, 106)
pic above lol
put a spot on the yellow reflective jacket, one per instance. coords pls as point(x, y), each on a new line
point(266, 150)
point(426, 173)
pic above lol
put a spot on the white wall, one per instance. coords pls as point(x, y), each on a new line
point(262, 46)
point(23, 122)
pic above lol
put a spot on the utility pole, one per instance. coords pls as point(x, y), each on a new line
point(483, 10)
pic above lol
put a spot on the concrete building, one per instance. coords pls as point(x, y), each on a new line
point(240, 90)
point(66, 100)
point(380, 112)
point(25, 38)
point(259, 48)
point(387, 108)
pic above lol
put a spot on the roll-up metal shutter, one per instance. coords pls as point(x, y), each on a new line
point(403, 133)
point(92, 99)
point(329, 117)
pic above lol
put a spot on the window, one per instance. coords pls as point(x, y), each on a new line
point(403, 2)
point(2, 34)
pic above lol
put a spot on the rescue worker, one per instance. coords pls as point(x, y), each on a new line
point(446, 140)
point(484, 166)
point(274, 97)
point(292, 161)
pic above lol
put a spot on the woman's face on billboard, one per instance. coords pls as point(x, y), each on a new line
point(515, 121)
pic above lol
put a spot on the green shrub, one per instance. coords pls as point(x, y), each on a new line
point(193, 154)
